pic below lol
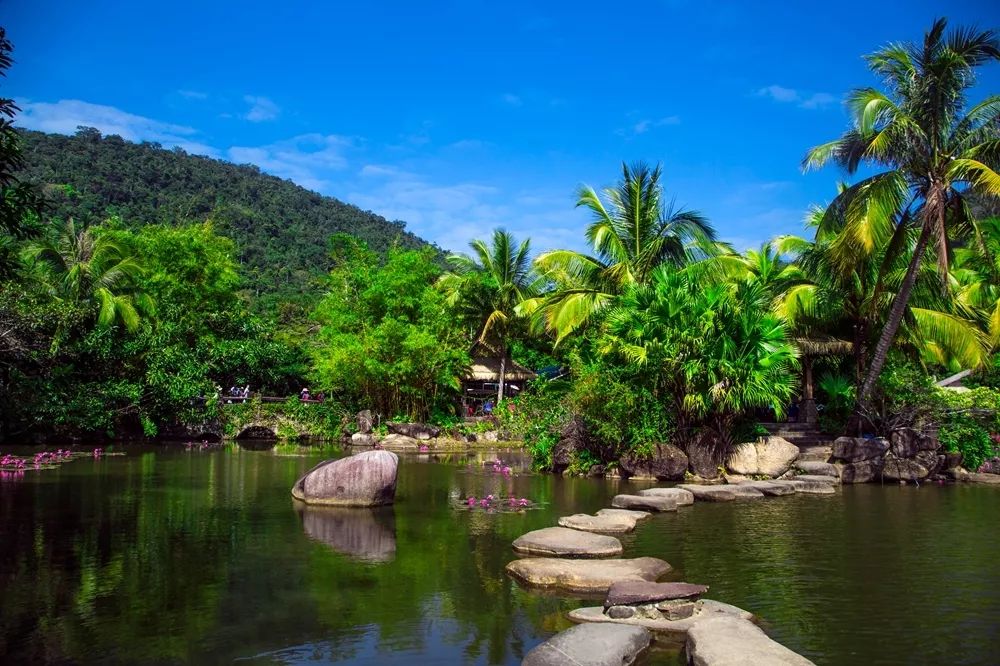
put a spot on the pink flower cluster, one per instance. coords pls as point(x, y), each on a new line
point(490, 501)
point(48, 457)
point(98, 453)
point(424, 448)
point(12, 461)
point(500, 468)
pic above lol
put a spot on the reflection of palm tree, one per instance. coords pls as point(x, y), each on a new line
point(633, 232)
point(920, 132)
point(93, 272)
point(489, 287)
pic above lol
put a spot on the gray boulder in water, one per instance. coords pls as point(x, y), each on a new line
point(365, 479)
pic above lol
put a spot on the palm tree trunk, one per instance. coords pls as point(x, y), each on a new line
point(934, 206)
point(503, 373)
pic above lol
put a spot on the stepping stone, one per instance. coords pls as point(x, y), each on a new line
point(769, 488)
point(821, 478)
point(705, 609)
point(808, 487)
point(564, 542)
point(681, 496)
point(644, 502)
point(610, 523)
point(710, 493)
point(638, 515)
point(817, 468)
point(725, 641)
point(584, 576)
point(591, 645)
point(635, 593)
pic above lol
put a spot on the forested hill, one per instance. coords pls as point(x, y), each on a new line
point(281, 230)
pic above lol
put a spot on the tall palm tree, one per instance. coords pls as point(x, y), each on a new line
point(488, 287)
point(92, 271)
point(930, 147)
point(633, 231)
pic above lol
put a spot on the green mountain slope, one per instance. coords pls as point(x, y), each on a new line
point(281, 230)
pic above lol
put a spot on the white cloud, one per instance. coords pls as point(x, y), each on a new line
point(305, 159)
point(66, 115)
point(802, 99)
point(192, 94)
point(261, 109)
point(512, 99)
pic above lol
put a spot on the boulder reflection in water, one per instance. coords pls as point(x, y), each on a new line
point(363, 534)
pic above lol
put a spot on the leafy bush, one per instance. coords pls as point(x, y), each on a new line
point(968, 421)
point(537, 416)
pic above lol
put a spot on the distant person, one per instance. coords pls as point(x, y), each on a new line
point(304, 394)
point(488, 408)
point(246, 391)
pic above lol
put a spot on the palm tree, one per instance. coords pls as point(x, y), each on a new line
point(930, 148)
point(488, 288)
point(94, 272)
point(634, 230)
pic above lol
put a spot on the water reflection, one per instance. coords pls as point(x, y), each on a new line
point(363, 534)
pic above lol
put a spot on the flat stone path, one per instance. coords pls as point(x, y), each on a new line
point(704, 610)
point(591, 645)
point(821, 478)
point(585, 576)
point(650, 502)
point(564, 542)
point(638, 515)
point(710, 493)
point(808, 487)
point(732, 641)
point(679, 495)
point(769, 488)
point(608, 523)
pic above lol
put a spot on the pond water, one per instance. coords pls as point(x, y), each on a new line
point(166, 555)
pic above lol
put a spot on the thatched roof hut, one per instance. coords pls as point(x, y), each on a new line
point(487, 369)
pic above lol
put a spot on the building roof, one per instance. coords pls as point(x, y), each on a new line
point(487, 369)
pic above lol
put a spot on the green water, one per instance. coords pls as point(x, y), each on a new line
point(166, 555)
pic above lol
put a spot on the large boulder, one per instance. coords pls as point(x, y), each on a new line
point(953, 459)
point(989, 466)
point(363, 439)
point(591, 645)
point(365, 479)
point(584, 576)
point(862, 471)
point(706, 455)
point(903, 469)
point(414, 430)
point(665, 463)
point(572, 438)
point(816, 467)
point(856, 449)
point(366, 422)
point(564, 542)
point(932, 460)
point(397, 442)
point(731, 641)
point(770, 456)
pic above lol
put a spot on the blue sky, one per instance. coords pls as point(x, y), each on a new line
point(458, 117)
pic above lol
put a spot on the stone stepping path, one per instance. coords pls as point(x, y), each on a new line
point(769, 488)
point(704, 609)
point(633, 593)
point(638, 515)
point(679, 495)
point(726, 640)
point(609, 523)
point(585, 576)
point(564, 542)
point(591, 645)
point(643, 502)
